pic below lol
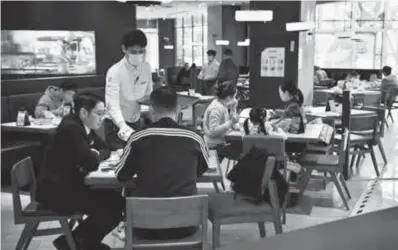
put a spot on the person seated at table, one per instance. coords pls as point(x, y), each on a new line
point(220, 117)
point(52, 102)
point(166, 157)
point(320, 75)
point(74, 151)
point(389, 84)
point(256, 124)
point(291, 118)
point(183, 76)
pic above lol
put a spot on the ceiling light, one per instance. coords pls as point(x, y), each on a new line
point(170, 47)
point(300, 26)
point(222, 42)
point(253, 15)
point(242, 43)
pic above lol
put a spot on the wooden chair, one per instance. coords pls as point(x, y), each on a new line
point(326, 149)
point(230, 208)
point(161, 213)
point(372, 100)
point(364, 130)
point(331, 164)
point(22, 177)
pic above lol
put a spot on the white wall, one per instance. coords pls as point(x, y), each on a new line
point(306, 54)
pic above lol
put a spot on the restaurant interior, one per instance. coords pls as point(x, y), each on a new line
point(341, 55)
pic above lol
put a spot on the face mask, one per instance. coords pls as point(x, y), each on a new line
point(135, 60)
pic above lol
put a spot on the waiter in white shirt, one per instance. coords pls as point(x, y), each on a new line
point(128, 82)
point(209, 73)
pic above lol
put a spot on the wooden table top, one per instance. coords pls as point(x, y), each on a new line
point(311, 134)
point(334, 91)
point(32, 129)
point(320, 112)
point(184, 100)
point(108, 179)
point(377, 230)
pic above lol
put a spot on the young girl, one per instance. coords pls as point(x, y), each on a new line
point(256, 124)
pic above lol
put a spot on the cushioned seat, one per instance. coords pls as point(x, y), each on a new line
point(226, 205)
point(319, 160)
point(356, 138)
point(194, 239)
point(319, 148)
point(36, 209)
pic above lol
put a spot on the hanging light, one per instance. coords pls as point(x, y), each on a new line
point(300, 26)
point(222, 42)
point(253, 15)
point(169, 47)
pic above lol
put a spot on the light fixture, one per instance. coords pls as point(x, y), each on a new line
point(300, 26)
point(169, 47)
point(253, 15)
point(222, 42)
point(244, 43)
point(121, 1)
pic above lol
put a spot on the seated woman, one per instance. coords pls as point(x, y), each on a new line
point(219, 118)
point(291, 119)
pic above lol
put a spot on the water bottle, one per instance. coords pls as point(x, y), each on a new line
point(22, 117)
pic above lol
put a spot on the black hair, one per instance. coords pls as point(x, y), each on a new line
point(225, 89)
point(295, 92)
point(134, 37)
point(386, 70)
point(211, 52)
point(256, 116)
point(163, 99)
point(354, 73)
point(227, 52)
point(68, 85)
point(87, 101)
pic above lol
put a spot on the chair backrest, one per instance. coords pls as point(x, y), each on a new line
point(320, 98)
point(343, 147)
point(346, 116)
point(275, 145)
point(22, 178)
point(162, 213)
point(332, 123)
point(365, 124)
point(372, 99)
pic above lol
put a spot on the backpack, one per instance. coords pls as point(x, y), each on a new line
point(246, 178)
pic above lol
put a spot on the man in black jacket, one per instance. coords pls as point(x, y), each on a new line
point(75, 150)
point(166, 157)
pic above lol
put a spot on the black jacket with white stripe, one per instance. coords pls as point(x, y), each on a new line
point(166, 159)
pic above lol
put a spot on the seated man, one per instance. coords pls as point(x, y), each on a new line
point(166, 157)
point(74, 151)
point(389, 85)
point(52, 102)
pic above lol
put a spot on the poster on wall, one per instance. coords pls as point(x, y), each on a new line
point(273, 62)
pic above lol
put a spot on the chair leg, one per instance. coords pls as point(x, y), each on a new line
point(26, 235)
point(223, 185)
point(372, 154)
point(261, 229)
point(353, 156)
point(228, 162)
point(216, 187)
point(304, 183)
point(338, 186)
point(381, 148)
point(344, 184)
point(31, 233)
point(358, 161)
point(68, 234)
point(216, 234)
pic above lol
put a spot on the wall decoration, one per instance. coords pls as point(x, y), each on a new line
point(273, 62)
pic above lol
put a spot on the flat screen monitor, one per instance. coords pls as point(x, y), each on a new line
point(47, 52)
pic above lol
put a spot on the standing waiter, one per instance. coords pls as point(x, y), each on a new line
point(128, 82)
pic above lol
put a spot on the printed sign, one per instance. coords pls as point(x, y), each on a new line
point(273, 62)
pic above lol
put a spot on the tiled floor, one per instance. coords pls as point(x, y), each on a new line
point(319, 206)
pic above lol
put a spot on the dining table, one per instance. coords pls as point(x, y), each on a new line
point(105, 178)
point(376, 230)
point(322, 113)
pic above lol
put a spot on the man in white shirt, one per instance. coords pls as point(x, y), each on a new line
point(209, 73)
point(128, 82)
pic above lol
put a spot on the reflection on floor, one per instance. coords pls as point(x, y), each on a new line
point(319, 206)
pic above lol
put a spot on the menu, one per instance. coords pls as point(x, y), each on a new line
point(273, 62)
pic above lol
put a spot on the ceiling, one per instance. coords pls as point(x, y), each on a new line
point(172, 9)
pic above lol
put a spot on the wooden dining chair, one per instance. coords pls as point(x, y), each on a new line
point(163, 213)
point(364, 131)
point(372, 100)
point(230, 208)
point(331, 164)
point(23, 178)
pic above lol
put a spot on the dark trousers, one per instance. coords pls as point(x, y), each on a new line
point(208, 87)
point(102, 207)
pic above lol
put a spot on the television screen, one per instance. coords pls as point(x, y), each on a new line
point(47, 52)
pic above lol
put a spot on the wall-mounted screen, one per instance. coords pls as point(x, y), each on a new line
point(47, 52)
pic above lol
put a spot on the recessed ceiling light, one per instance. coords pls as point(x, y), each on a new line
point(253, 15)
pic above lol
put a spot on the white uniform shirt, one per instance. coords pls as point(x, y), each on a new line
point(126, 85)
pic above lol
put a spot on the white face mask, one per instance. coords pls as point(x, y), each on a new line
point(135, 60)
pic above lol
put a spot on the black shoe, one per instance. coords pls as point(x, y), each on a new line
point(61, 243)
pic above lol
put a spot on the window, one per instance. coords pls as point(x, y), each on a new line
point(191, 33)
point(374, 42)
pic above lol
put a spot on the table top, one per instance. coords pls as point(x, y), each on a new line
point(33, 128)
point(377, 230)
point(184, 100)
point(108, 179)
point(338, 91)
point(320, 112)
point(311, 134)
